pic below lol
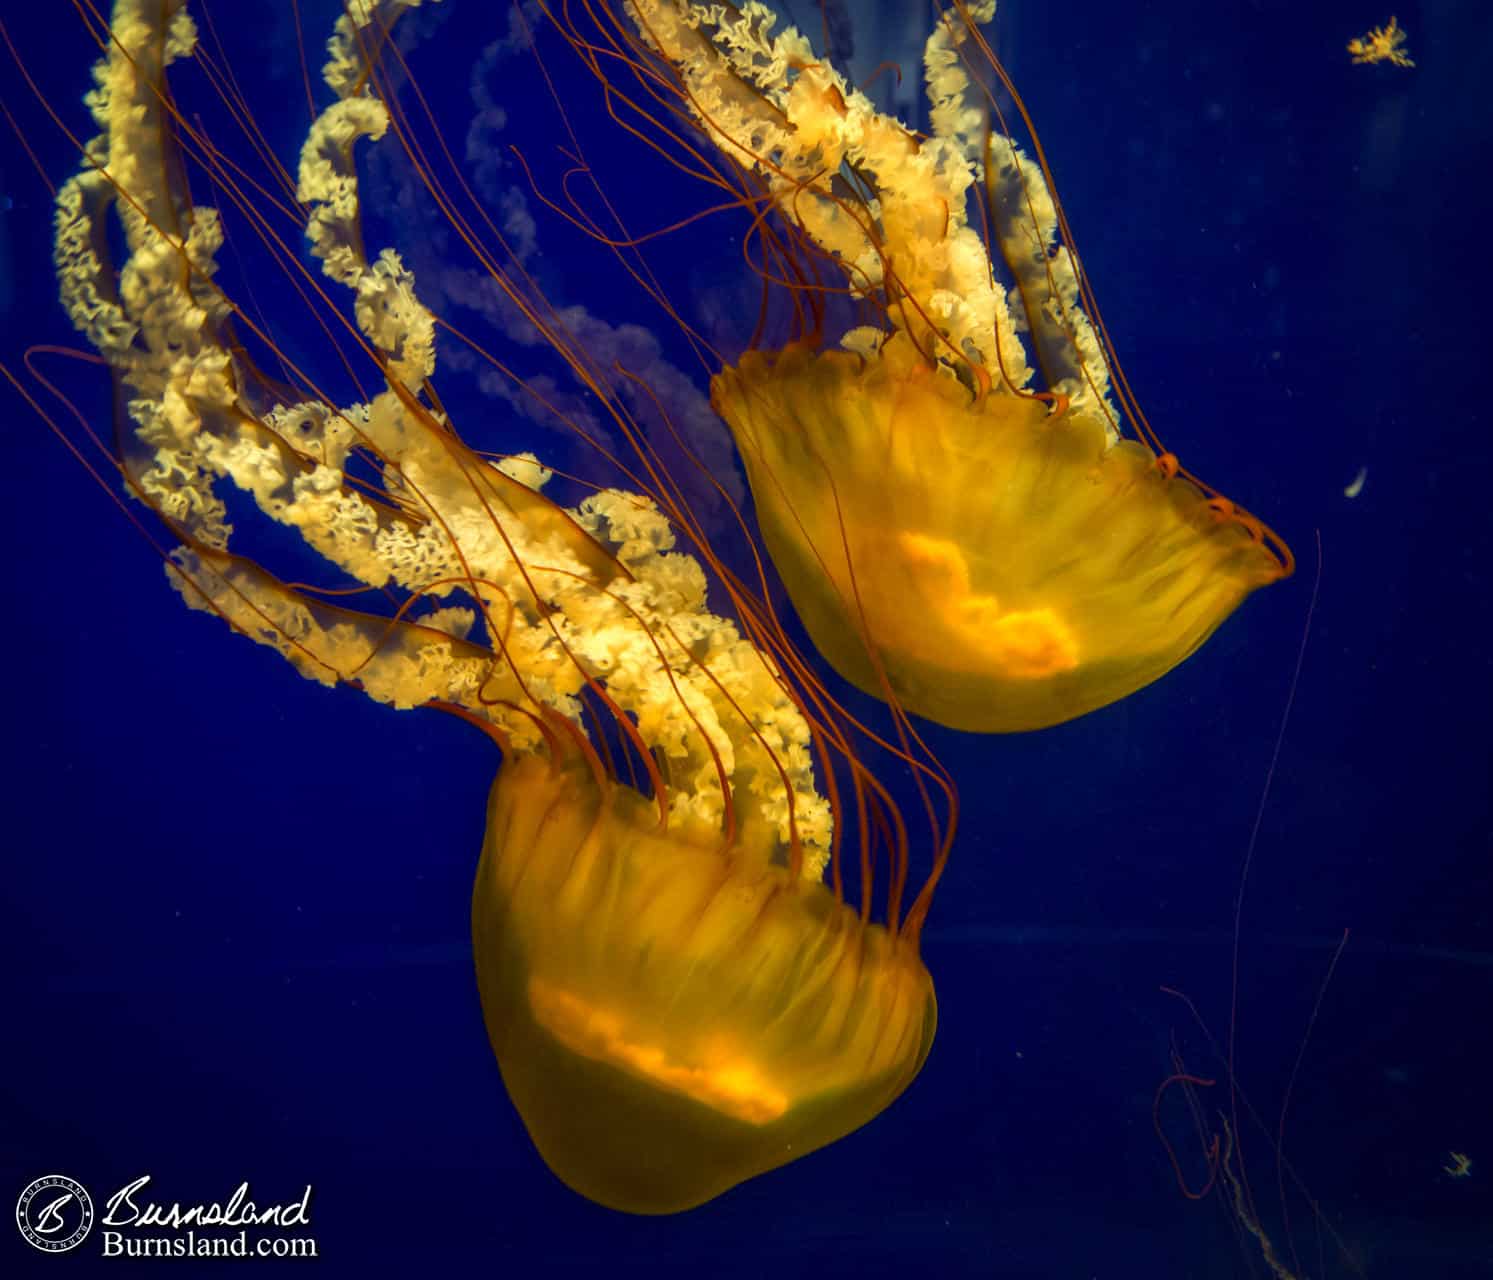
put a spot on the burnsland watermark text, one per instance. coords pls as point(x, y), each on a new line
point(55, 1212)
point(257, 1234)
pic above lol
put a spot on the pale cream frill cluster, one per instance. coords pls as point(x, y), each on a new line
point(772, 107)
point(450, 519)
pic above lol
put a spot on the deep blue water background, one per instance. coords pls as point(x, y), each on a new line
point(235, 905)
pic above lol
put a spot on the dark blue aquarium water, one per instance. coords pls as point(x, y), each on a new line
point(236, 904)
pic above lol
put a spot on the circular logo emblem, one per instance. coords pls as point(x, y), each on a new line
point(54, 1214)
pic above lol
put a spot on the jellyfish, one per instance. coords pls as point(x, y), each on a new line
point(989, 555)
point(677, 989)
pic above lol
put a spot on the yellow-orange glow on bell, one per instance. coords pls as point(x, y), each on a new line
point(728, 1083)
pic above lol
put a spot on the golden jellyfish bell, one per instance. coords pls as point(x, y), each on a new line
point(677, 998)
point(993, 558)
point(1001, 567)
point(672, 1016)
